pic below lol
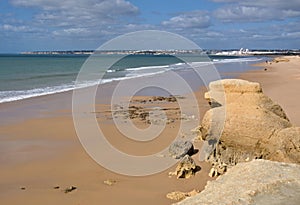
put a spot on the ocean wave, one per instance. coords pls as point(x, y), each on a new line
point(15, 95)
point(131, 73)
point(236, 60)
point(9, 96)
point(148, 67)
point(111, 71)
point(42, 76)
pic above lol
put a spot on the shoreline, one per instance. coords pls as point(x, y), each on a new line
point(39, 106)
point(43, 152)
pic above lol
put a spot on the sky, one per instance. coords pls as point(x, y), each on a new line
point(39, 25)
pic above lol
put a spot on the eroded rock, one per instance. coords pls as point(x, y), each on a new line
point(248, 125)
point(286, 145)
point(186, 168)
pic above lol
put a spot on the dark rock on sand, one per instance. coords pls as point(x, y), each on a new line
point(70, 189)
point(179, 149)
point(258, 182)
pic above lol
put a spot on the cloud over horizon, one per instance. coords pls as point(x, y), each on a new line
point(257, 11)
point(79, 16)
point(192, 19)
point(73, 24)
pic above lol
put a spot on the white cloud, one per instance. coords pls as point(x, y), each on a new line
point(293, 5)
point(79, 13)
point(214, 34)
point(99, 20)
point(76, 18)
point(257, 11)
point(246, 13)
point(275, 4)
point(119, 7)
point(292, 35)
point(291, 13)
point(71, 31)
point(194, 19)
point(13, 28)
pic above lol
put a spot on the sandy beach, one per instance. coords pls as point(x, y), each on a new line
point(280, 81)
point(41, 155)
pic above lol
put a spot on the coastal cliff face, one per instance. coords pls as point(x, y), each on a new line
point(250, 126)
point(258, 182)
point(242, 131)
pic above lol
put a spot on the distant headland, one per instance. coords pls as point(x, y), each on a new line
point(227, 52)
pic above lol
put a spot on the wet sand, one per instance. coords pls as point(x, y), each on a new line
point(41, 155)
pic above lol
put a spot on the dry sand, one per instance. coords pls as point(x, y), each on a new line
point(281, 82)
point(41, 153)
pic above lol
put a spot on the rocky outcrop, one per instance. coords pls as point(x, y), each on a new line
point(242, 131)
point(243, 92)
point(257, 182)
point(244, 124)
point(186, 168)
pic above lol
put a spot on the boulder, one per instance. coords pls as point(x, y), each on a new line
point(179, 149)
point(257, 182)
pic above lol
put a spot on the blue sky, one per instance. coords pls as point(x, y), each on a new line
point(31, 25)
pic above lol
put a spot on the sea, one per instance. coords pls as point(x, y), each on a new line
point(25, 76)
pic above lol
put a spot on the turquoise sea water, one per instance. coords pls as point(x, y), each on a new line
point(25, 76)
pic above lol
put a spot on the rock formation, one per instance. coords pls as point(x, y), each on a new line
point(186, 168)
point(257, 182)
point(242, 131)
point(286, 145)
point(244, 124)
